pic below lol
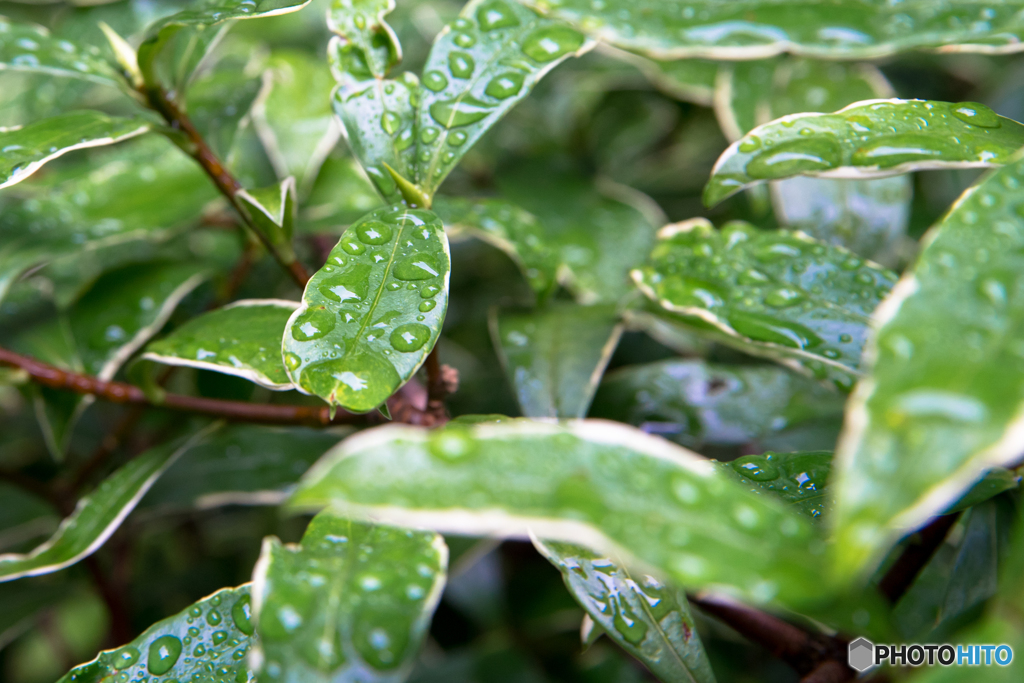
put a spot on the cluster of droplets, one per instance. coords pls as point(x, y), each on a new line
point(209, 642)
point(798, 478)
point(770, 287)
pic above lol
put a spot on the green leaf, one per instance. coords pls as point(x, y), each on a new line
point(937, 410)
point(200, 25)
point(780, 295)
point(869, 139)
point(126, 215)
point(799, 479)
point(648, 619)
point(598, 238)
point(27, 148)
point(272, 211)
point(677, 29)
point(508, 227)
point(352, 602)
point(555, 356)
point(240, 465)
point(371, 315)
point(341, 195)
point(695, 403)
point(213, 634)
point(689, 80)
point(97, 515)
point(995, 481)
point(219, 101)
point(599, 484)
point(294, 119)
point(480, 66)
point(370, 46)
point(28, 47)
point(241, 339)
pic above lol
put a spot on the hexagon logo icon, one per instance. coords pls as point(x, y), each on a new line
point(861, 654)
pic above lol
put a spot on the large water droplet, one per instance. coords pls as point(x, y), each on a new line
point(452, 444)
point(410, 337)
point(768, 329)
point(125, 657)
point(892, 150)
point(631, 628)
point(783, 297)
point(219, 637)
point(976, 114)
point(313, 324)
point(435, 81)
point(373, 232)
point(465, 40)
point(390, 122)
point(351, 246)
point(795, 156)
point(163, 655)
point(505, 85)
point(461, 64)
point(417, 267)
point(213, 616)
point(551, 42)
point(241, 614)
point(756, 467)
point(427, 305)
point(459, 112)
point(496, 14)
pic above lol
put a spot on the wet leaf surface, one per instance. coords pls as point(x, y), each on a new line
point(29, 47)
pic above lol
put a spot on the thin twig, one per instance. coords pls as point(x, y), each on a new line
point(922, 546)
point(120, 392)
point(222, 178)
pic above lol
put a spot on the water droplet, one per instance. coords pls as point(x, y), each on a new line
point(213, 616)
point(435, 81)
point(457, 139)
point(452, 444)
point(373, 232)
point(313, 324)
point(795, 156)
point(163, 654)
point(459, 112)
point(783, 297)
point(200, 650)
point(351, 285)
point(427, 305)
point(750, 276)
point(125, 657)
point(292, 361)
point(428, 291)
point(352, 247)
point(417, 267)
point(891, 150)
point(551, 42)
point(219, 637)
point(756, 467)
point(626, 623)
point(429, 134)
point(976, 114)
point(495, 15)
point(464, 40)
point(750, 144)
point(461, 64)
point(768, 329)
point(390, 122)
point(393, 286)
point(410, 337)
point(506, 85)
point(195, 611)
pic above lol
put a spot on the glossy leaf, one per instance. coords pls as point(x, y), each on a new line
point(272, 210)
point(508, 227)
point(218, 104)
point(599, 484)
point(294, 120)
point(240, 465)
point(677, 29)
point(937, 410)
point(480, 66)
point(370, 45)
point(371, 315)
point(215, 632)
point(780, 294)
point(241, 339)
point(555, 356)
point(352, 602)
point(122, 220)
point(26, 149)
point(598, 238)
point(995, 481)
point(799, 479)
point(28, 47)
point(200, 23)
point(97, 515)
point(648, 619)
point(869, 139)
point(689, 80)
point(695, 403)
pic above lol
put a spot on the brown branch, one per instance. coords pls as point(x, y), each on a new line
point(120, 392)
point(222, 178)
point(922, 546)
point(807, 653)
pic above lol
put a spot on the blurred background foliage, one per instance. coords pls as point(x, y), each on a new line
point(604, 134)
